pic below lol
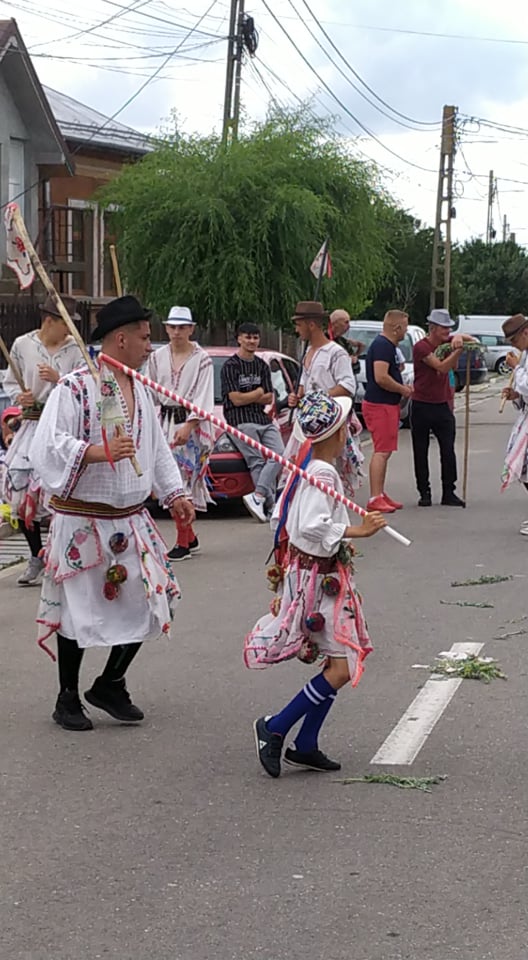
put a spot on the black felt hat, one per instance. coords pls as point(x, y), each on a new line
point(117, 314)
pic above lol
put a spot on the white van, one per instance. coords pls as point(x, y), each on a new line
point(475, 324)
point(488, 329)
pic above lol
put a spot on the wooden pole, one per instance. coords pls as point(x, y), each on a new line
point(14, 369)
point(510, 385)
point(466, 425)
point(115, 268)
point(39, 268)
point(35, 260)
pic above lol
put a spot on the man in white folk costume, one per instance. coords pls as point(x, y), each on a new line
point(107, 580)
point(182, 366)
point(41, 357)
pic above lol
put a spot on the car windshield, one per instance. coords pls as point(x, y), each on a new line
point(366, 336)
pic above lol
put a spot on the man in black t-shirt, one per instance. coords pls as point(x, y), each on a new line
point(246, 391)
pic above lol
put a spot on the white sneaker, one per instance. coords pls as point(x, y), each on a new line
point(524, 528)
point(256, 507)
point(33, 573)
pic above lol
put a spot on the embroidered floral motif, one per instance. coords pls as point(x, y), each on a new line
point(73, 554)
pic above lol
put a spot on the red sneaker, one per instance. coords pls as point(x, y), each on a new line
point(380, 504)
point(393, 503)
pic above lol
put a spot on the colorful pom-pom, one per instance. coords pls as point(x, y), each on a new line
point(275, 606)
point(315, 621)
point(111, 590)
point(118, 542)
point(275, 575)
point(330, 586)
point(309, 651)
point(117, 573)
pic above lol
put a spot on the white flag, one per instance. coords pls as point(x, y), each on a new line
point(316, 265)
point(17, 255)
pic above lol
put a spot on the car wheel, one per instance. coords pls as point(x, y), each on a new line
point(502, 367)
point(458, 383)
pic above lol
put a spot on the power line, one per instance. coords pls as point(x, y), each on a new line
point(340, 102)
point(348, 80)
point(425, 123)
point(97, 26)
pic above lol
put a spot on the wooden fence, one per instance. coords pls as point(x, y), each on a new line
point(19, 317)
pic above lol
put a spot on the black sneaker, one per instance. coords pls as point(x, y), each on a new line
point(69, 712)
point(179, 553)
point(194, 546)
point(314, 760)
point(451, 500)
point(269, 747)
point(425, 500)
point(113, 697)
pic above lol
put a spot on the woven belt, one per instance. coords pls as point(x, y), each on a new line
point(86, 508)
point(307, 560)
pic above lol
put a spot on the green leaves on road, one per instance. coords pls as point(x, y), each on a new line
point(404, 783)
point(480, 581)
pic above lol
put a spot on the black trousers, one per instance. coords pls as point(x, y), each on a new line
point(437, 419)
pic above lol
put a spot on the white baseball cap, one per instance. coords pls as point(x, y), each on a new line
point(178, 316)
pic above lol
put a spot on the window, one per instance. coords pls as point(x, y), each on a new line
point(17, 177)
point(292, 369)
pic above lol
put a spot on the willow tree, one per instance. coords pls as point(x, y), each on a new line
point(232, 232)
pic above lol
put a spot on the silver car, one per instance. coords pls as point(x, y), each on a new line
point(495, 350)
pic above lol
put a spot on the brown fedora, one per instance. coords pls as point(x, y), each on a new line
point(310, 310)
point(48, 308)
point(514, 325)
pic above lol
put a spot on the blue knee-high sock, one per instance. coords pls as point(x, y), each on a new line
point(306, 739)
point(312, 695)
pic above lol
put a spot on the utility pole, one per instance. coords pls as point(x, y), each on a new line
point(242, 36)
point(505, 229)
point(441, 268)
point(491, 233)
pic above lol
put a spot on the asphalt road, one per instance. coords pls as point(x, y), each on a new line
point(167, 842)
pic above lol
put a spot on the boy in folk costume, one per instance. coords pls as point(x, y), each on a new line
point(327, 367)
point(317, 612)
point(42, 357)
point(185, 368)
point(107, 580)
point(515, 330)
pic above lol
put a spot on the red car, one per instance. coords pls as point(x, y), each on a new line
point(229, 476)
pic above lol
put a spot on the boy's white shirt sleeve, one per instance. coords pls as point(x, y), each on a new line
point(341, 370)
point(318, 520)
point(521, 377)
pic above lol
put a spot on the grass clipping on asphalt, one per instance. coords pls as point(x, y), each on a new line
point(404, 783)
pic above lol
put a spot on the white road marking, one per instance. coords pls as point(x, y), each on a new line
point(405, 741)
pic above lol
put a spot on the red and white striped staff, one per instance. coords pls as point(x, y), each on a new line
point(265, 451)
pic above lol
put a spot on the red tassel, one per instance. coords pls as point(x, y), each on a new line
point(108, 455)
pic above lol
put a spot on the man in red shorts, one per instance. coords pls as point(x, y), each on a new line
point(381, 406)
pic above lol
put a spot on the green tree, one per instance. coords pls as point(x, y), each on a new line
point(233, 232)
point(491, 278)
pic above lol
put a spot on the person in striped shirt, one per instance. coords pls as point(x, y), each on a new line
point(246, 392)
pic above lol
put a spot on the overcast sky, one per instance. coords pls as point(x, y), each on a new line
point(416, 56)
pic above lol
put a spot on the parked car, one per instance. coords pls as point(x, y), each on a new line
point(366, 331)
point(478, 372)
point(228, 473)
point(495, 350)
